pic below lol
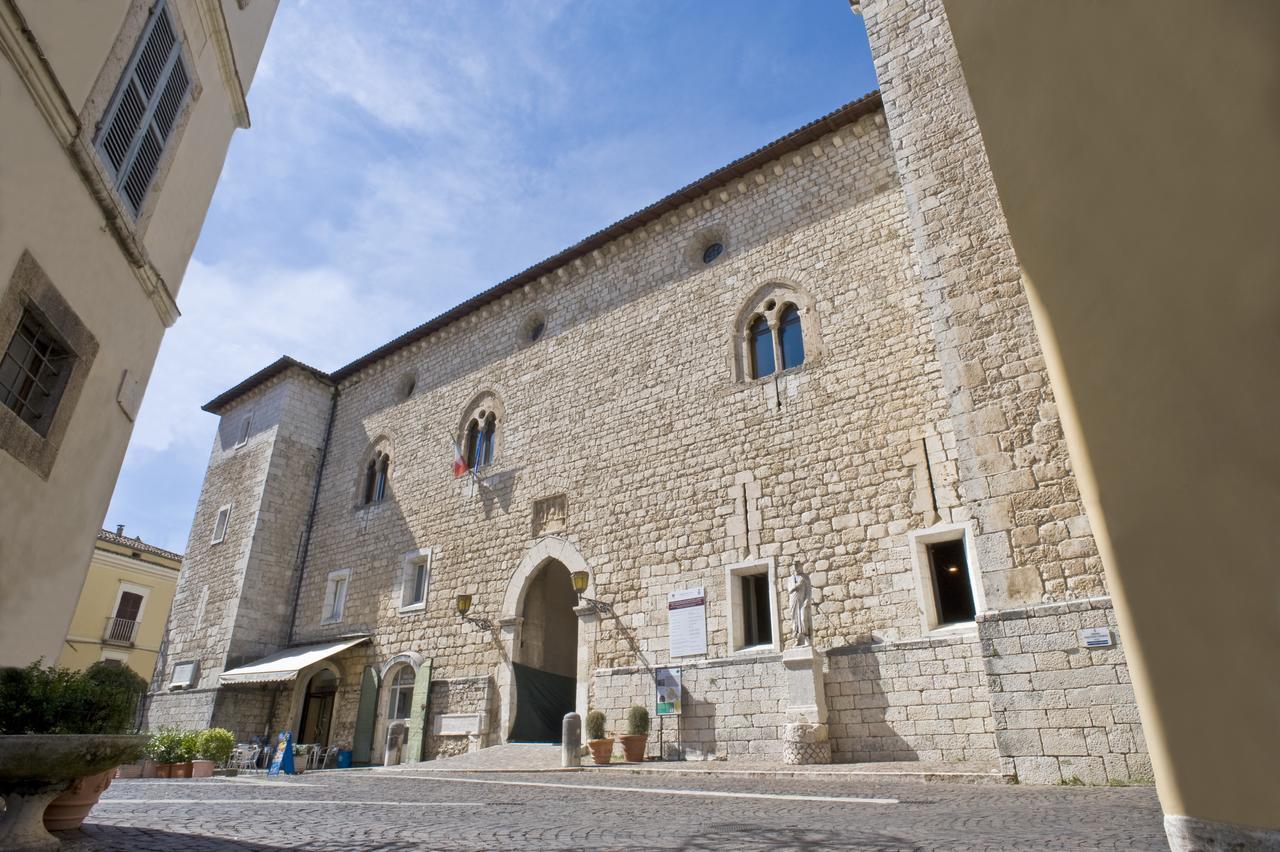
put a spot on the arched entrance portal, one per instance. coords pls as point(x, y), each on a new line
point(545, 660)
point(317, 708)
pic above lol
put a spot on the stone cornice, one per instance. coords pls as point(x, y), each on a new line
point(215, 21)
point(19, 45)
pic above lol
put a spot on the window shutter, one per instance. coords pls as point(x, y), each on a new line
point(146, 105)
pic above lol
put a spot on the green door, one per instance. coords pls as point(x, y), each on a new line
point(366, 715)
point(418, 716)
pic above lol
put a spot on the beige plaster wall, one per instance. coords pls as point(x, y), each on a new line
point(47, 526)
point(1135, 147)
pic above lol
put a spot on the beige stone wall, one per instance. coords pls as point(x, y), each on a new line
point(629, 406)
point(1063, 711)
point(1014, 472)
point(633, 410)
point(925, 700)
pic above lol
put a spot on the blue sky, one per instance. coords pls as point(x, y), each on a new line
point(406, 155)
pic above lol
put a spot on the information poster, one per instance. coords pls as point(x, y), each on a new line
point(283, 758)
point(668, 686)
point(687, 622)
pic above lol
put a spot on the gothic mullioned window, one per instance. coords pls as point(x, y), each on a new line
point(772, 337)
point(482, 434)
point(790, 337)
point(375, 478)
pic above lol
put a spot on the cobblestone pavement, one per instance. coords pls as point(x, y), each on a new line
point(529, 757)
point(403, 811)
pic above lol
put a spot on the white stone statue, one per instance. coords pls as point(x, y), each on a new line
point(798, 589)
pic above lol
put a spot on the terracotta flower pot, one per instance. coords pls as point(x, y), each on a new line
point(164, 770)
point(633, 746)
point(73, 805)
point(202, 768)
point(181, 770)
point(601, 750)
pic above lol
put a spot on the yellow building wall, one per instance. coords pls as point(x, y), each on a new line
point(111, 570)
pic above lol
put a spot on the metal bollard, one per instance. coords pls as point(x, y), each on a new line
point(571, 740)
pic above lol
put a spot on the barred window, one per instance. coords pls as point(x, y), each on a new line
point(143, 111)
point(33, 372)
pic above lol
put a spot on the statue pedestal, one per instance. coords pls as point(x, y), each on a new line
point(804, 740)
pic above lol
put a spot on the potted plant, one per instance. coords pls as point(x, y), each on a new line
point(637, 735)
point(62, 734)
point(600, 745)
point(165, 750)
point(188, 749)
point(214, 749)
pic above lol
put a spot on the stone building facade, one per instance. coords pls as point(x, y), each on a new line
point(630, 441)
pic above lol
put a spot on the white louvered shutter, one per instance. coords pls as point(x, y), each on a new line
point(142, 112)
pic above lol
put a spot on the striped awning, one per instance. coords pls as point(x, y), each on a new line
point(284, 665)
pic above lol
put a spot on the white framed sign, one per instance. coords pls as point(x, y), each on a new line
point(687, 622)
point(1095, 637)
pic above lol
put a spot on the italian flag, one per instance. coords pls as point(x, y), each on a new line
point(459, 463)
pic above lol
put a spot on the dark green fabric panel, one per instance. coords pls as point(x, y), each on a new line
point(362, 746)
point(542, 700)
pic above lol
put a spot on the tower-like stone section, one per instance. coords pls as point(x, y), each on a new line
point(1035, 544)
point(237, 588)
point(1062, 709)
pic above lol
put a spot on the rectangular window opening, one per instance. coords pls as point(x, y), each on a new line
point(244, 432)
point(33, 372)
point(414, 580)
point(756, 621)
point(220, 525)
point(953, 590)
point(335, 596)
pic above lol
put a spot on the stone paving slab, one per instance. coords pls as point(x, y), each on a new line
point(400, 811)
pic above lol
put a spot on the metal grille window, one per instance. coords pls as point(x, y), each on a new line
point(144, 109)
point(33, 372)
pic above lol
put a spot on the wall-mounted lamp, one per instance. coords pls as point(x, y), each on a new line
point(463, 603)
point(580, 580)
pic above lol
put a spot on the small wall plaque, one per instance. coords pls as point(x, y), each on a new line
point(550, 515)
point(1095, 637)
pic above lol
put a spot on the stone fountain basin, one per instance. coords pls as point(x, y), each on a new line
point(35, 768)
point(40, 763)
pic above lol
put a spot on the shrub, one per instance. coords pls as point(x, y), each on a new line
point(216, 744)
point(637, 720)
point(51, 700)
point(595, 725)
point(189, 746)
point(166, 746)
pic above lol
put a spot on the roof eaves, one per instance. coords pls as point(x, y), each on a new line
point(275, 368)
point(795, 140)
point(743, 165)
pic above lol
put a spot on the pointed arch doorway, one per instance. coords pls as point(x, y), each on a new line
point(545, 659)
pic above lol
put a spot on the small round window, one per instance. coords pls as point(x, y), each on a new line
point(711, 252)
point(536, 330)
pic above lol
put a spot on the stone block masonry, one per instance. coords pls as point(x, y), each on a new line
point(1062, 711)
point(925, 699)
point(631, 444)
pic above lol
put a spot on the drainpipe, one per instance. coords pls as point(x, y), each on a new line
point(304, 542)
